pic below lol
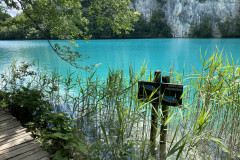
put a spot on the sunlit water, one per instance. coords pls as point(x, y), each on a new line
point(158, 54)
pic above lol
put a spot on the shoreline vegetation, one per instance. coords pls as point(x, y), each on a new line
point(20, 28)
point(85, 118)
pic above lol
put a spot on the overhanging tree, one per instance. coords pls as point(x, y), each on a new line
point(64, 19)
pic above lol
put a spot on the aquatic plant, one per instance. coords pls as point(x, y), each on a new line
point(93, 118)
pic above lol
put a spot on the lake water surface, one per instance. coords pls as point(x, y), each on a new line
point(158, 54)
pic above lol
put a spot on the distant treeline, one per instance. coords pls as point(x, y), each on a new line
point(230, 28)
point(21, 27)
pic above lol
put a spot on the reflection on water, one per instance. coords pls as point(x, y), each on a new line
point(157, 53)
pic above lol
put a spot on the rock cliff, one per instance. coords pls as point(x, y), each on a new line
point(180, 14)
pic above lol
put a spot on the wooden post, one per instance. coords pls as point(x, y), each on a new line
point(154, 120)
point(163, 132)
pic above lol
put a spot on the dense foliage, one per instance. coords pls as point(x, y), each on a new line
point(20, 27)
point(4, 16)
point(65, 19)
point(29, 103)
point(47, 19)
point(230, 27)
point(201, 30)
point(155, 28)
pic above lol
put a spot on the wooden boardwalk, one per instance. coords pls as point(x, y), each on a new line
point(16, 143)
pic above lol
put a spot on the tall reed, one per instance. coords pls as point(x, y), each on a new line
point(115, 124)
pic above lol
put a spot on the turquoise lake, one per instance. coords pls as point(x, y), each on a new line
point(158, 54)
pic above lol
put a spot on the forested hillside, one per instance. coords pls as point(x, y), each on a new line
point(21, 27)
point(156, 19)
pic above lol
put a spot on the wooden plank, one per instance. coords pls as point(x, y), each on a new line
point(18, 136)
point(2, 110)
point(12, 135)
point(13, 125)
point(19, 151)
point(16, 129)
point(16, 142)
point(28, 153)
point(5, 117)
point(17, 147)
point(45, 158)
point(8, 123)
point(4, 113)
point(7, 120)
point(38, 155)
point(11, 132)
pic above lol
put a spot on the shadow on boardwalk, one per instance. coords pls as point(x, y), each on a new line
point(16, 143)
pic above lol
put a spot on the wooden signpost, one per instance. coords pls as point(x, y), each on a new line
point(164, 93)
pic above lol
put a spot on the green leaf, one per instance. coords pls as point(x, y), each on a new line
point(82, 147)
point(105, 135)
point(59, 155)
point(125, 113)
point(176, 147)
point(131, 154)
point(220, 143)
point(59, 135)
point(181, 148)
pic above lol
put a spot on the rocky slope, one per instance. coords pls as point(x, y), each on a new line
point(181, 13)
